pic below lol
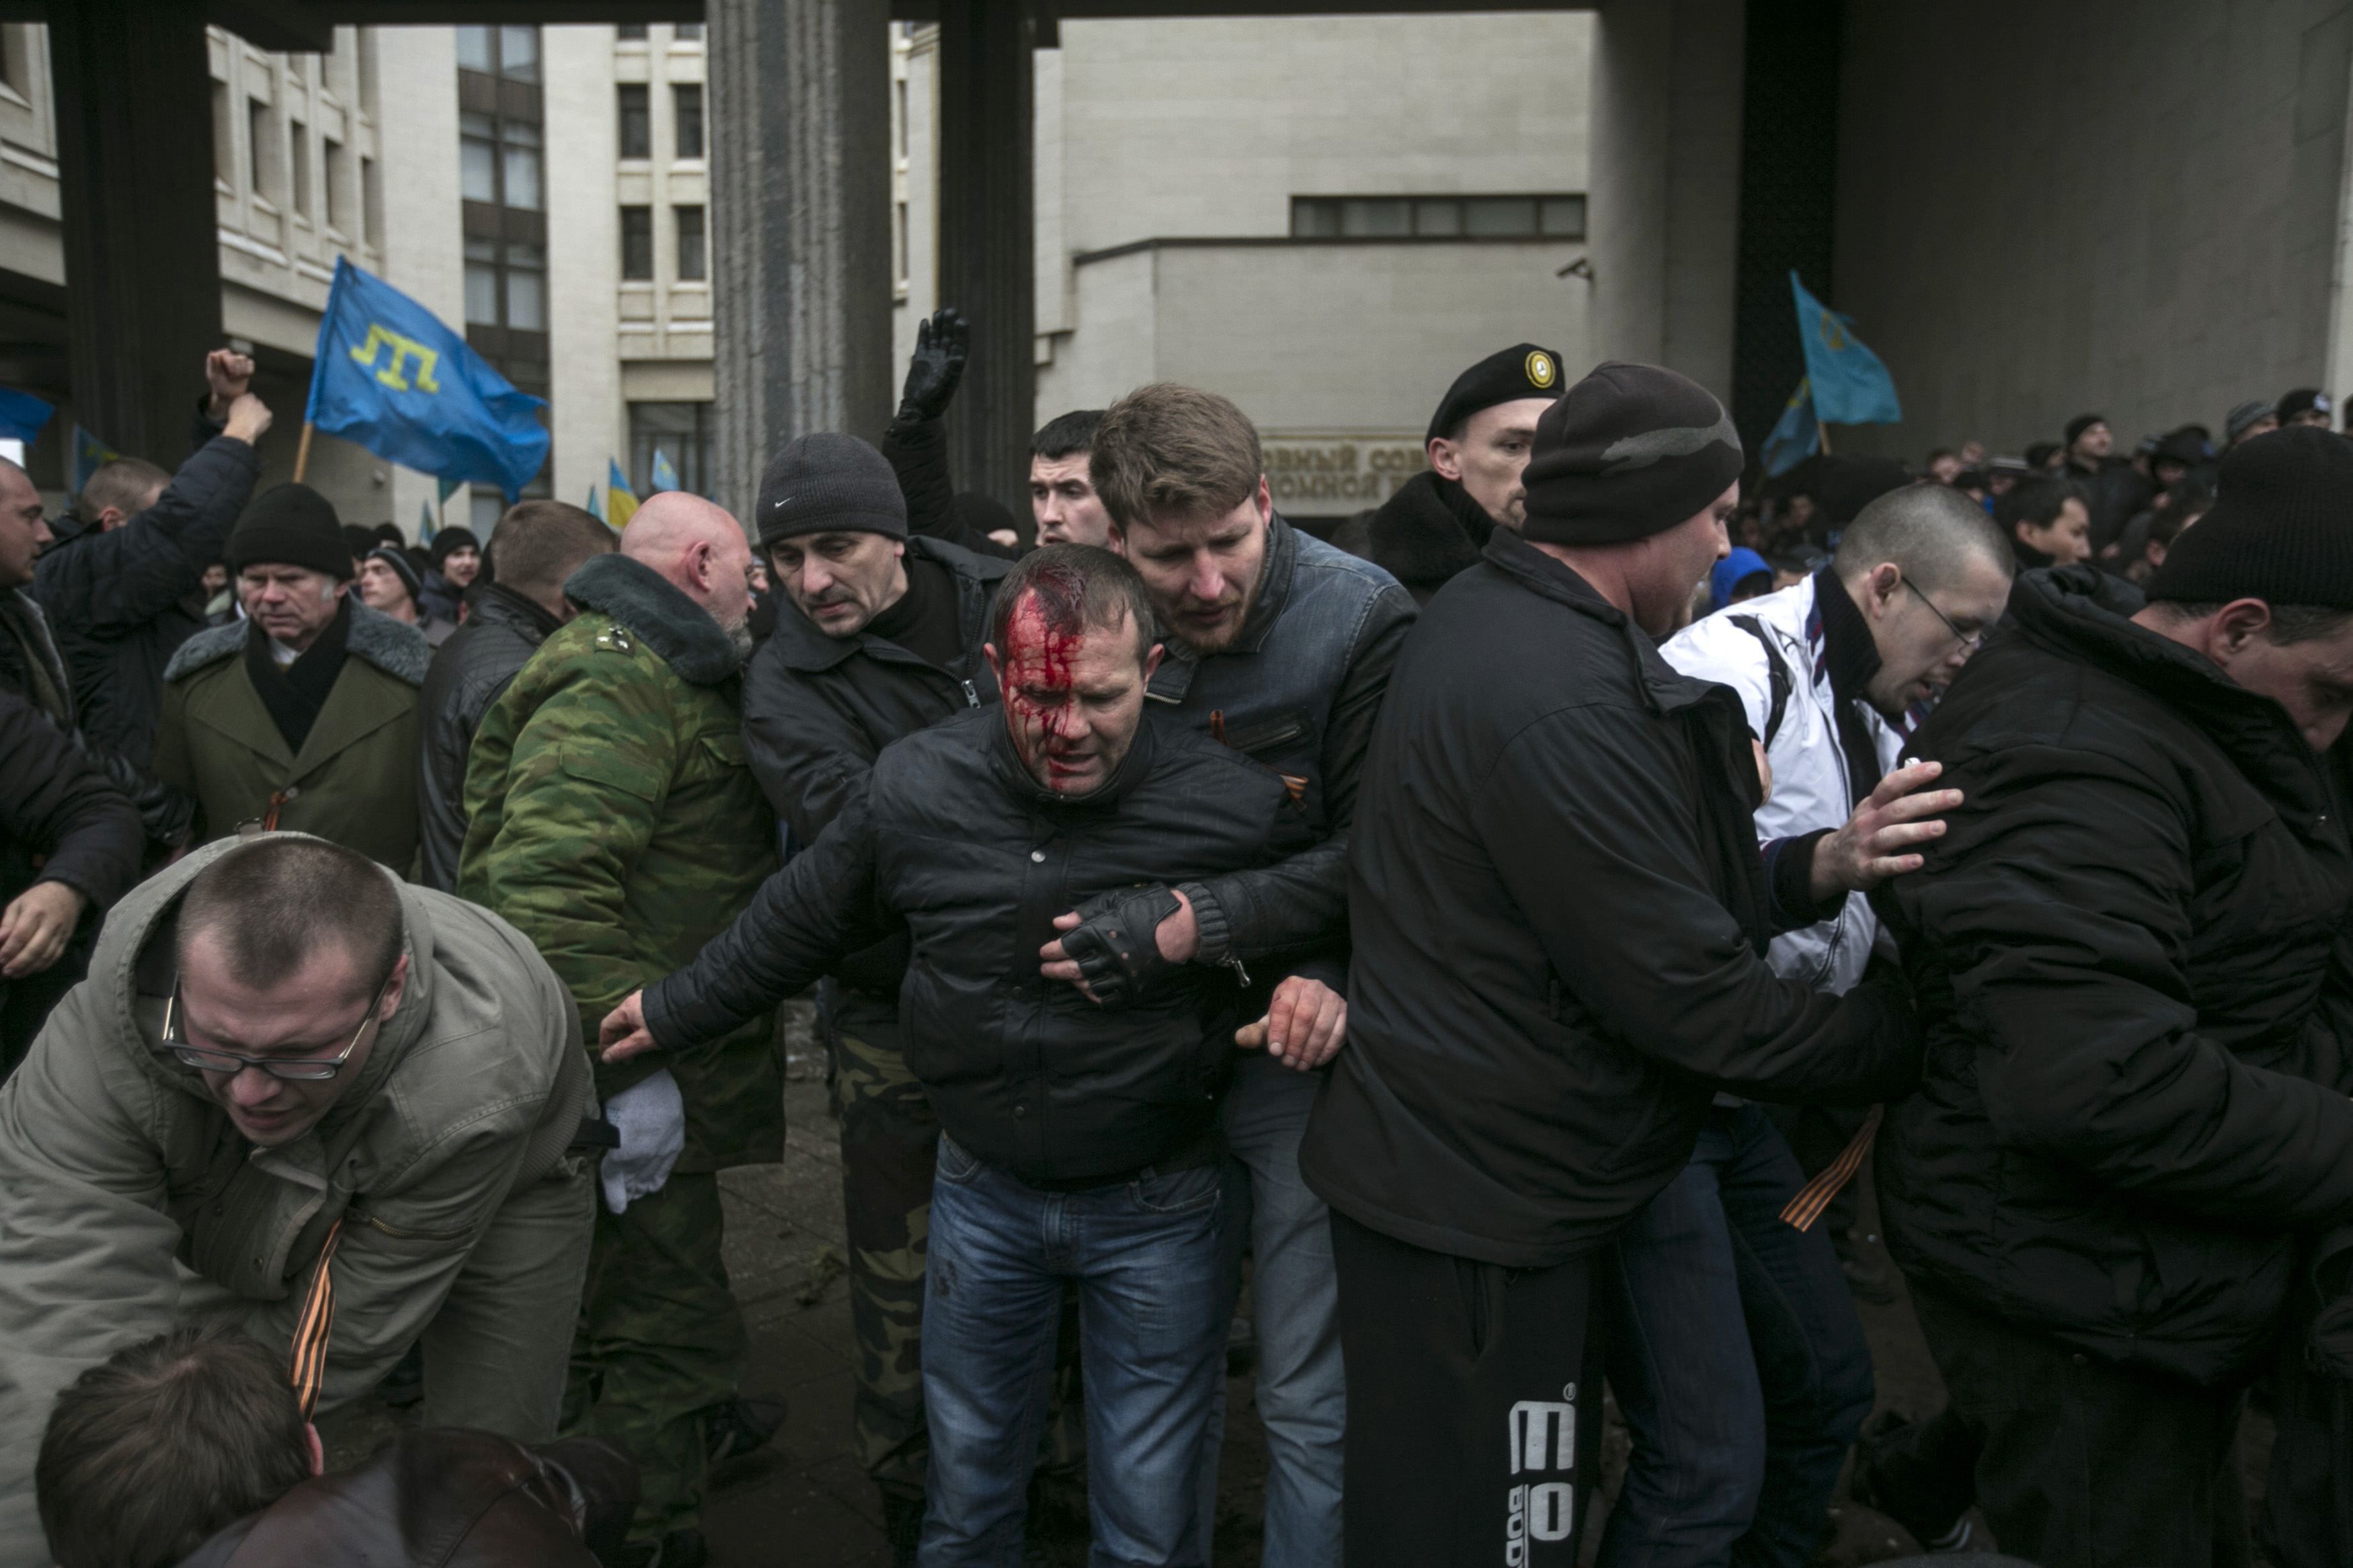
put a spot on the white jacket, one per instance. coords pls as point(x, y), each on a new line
point(1811, 787)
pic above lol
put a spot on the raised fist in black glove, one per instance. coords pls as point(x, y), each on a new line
point(1116, 943)
point(941, 344)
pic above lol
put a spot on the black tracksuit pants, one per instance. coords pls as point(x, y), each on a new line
point(1474, 1405)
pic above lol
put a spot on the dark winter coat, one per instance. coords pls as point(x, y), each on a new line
point(448, 1496)
point(1559, 917)
point(468, 673)
point(33, 667)
point(953, 838)
point(818, 709)
point(1427, 533)
point(122, 602)
point(2117, 947)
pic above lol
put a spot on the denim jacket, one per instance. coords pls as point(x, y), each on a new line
point(1297, 690)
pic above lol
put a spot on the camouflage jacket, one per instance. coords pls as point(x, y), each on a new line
point(613, 818)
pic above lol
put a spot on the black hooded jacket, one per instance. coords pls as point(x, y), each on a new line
point(2117, 947)
point(1559, 916)
point(950, 838)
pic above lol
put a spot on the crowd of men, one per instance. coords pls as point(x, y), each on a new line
point(1496, 940)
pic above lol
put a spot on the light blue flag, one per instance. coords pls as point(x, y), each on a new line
point(425, 525)
point(665, 477)
point(1796, 435)
point(89, 453)
point(595, 504)
point(388, 375)
point(22, 416)
point(1851, 387)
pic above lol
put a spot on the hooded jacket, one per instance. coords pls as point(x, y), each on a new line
point(2117, 947)
point(353, 779)
point(468, 673)
point(125, 601)
point(33, 667)
point(1559, 917)
point(612, 816)
point(952, 837)
point(118, 1176)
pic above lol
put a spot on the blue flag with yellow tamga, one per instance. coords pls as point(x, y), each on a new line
point(665, 475)
point(90, 455)
point(1795, 435)
point(388, 375)
point(1851, 387)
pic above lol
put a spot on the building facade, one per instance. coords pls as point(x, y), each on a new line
point(543, 186)
point(1323, 218)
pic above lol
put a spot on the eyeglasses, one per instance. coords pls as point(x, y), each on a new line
point(309, 1069)
point(1972, 641)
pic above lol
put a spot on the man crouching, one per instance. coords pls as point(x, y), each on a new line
point(1078, 1125)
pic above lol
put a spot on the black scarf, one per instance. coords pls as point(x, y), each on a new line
point(296, 695)
point(1851, 658)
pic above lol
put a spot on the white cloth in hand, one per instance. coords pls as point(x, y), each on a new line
point(651, 1117)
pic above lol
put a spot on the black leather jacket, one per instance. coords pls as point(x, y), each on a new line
point(469, 672)
point(952, 839)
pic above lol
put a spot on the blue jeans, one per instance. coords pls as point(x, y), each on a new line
point(1151, 1346)
point(1738, 1362)
point(1302, 1394)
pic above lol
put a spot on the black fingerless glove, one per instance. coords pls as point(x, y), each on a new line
point(1116, 943)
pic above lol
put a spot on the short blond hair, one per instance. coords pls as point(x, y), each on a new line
point(1166, 450)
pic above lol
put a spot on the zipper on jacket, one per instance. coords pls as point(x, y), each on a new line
point(971, 698)
point(1240, 972)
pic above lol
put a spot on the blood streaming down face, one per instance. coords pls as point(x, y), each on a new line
point(1072, 694)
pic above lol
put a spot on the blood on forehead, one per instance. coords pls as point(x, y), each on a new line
point(1042, 635)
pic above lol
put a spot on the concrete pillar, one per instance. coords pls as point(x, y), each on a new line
point(987, 242)
point(801, 131)
point(142, 262)
point(1665, 184)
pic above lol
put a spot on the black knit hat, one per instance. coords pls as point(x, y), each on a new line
point(2303, 399)
point(291, 525)
point(2245, 416)
point(2081, 423)
point(830, 483)
point(1630, 451)
point(449, 539)
point(2281, 528)
point(1507, 376)
point(398, 560)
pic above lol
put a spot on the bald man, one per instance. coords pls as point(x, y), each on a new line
point(613, 818)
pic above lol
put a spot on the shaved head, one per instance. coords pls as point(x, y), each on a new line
point(700, 549)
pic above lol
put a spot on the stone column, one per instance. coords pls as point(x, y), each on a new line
point(143, 260)
point(801, 131)
point(988, 241)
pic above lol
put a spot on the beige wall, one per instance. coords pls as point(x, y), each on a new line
point(2139, 215)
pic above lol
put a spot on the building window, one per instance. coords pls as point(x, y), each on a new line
point(693, 262)
point(520, 166)
point(628, 31)
point(1437, 218)
point(636, 121)
point(682, 432)
point(519, 53)
point(483, 283)
point(478, 157)
point(478, 50)
point(258, 166)
point(338, 168)
point(689, 32)
point(298, 143)
point(637, 243)
point(502, 177)
point(686, 100)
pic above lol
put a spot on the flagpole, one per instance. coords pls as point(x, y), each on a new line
point(1822, 431)
point(303, 452)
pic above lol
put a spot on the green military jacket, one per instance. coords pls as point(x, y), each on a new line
point(354, 781)
point(613, 817)
point(128, 1204)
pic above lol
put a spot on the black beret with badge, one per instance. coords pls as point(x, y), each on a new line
point(1521, 371)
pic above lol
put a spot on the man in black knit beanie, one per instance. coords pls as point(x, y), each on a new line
point(2126, 1122)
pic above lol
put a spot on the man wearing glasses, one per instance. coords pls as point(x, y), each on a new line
point(337, 1109)
point(1743, 1383)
